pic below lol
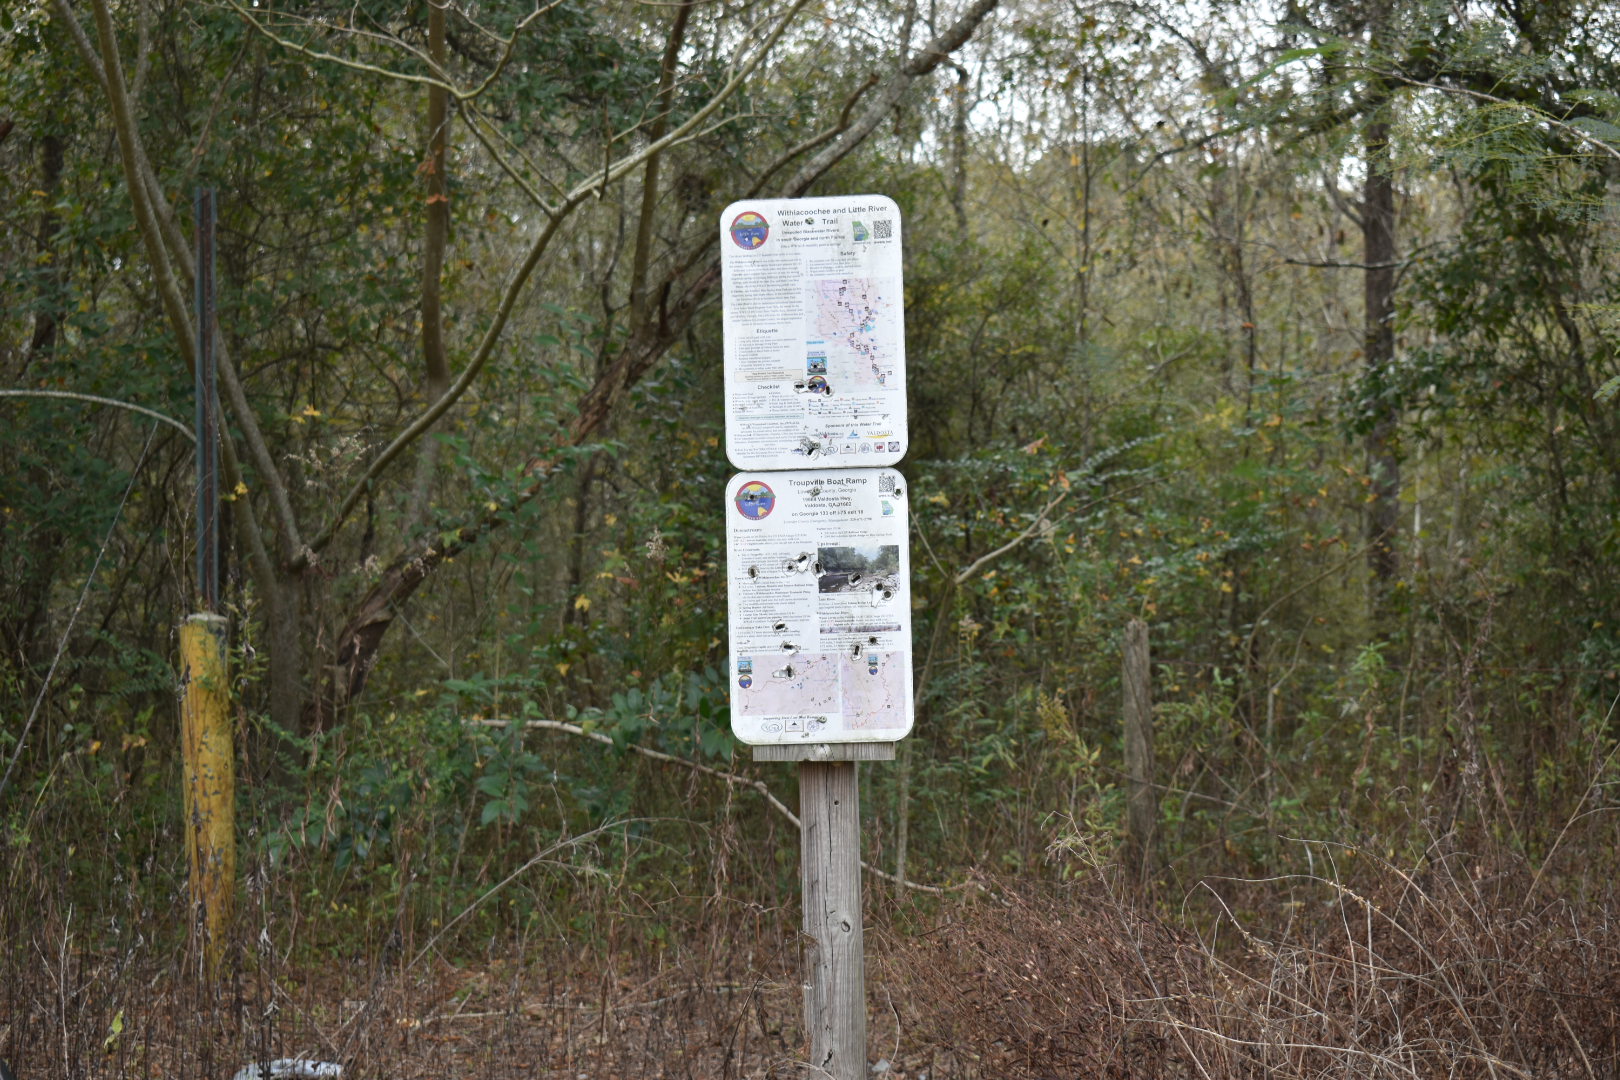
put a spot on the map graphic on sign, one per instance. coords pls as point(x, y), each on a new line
point(819, 606)
point(815, 364)
point(798, 686)
point(855, 324)
point(874, 688)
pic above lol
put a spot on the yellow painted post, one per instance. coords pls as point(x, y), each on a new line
point(210, 781)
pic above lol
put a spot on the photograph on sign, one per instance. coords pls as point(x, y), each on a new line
point(815, 344)
point(817, 569)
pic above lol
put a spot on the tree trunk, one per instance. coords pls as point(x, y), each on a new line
point(576, 543)
point(48, 315)
point(959, 128)
point(1383, 466)
point(642, 257)
point(436, 368)
point(27, 634)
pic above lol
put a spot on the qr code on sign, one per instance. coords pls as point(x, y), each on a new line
point(885, 483)
point(883, 229)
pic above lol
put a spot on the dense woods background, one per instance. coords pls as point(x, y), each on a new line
point(1287, 328)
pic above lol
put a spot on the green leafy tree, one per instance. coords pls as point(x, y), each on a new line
point(401, 183)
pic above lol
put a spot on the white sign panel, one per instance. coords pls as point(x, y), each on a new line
point(815, 344)
point(818, 571)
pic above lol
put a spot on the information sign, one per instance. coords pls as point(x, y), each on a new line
point(815, 345)
point(818, 580)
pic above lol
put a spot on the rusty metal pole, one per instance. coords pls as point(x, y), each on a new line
point(207, 410)
point(205, 704)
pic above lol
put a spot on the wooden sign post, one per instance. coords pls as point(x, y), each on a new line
point(830, 873)
point(835, 957)
point(817, 549)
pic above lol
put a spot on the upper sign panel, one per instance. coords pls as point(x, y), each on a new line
point(815, 332)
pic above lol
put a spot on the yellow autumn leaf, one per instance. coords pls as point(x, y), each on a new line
point(241, 488)
point(582, 603)
point(310, 410)
point(562, 669)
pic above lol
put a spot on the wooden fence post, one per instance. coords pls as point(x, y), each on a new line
point(835, 966)
point(209, 782)
point(1142, 802)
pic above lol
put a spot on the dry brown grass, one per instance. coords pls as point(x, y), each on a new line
point(1379, 973)
point(1360, 969)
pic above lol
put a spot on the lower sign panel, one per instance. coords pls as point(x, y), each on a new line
point(819, 587)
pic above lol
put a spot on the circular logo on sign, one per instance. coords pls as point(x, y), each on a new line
point(749, 230)
point(745, 681)
point(755, 500)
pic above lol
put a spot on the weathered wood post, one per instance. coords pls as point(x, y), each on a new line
point(830, 879)
point(1142, 801)
point(210, 781)
point(834, 964)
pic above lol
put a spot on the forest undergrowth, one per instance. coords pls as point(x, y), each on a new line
point(667, 947)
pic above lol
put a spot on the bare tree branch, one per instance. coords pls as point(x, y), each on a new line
point(707, 770)
point(1541, 116)
point(514, 287)
point(1034, 527)
point(96, 400)
point(649, 179)
point(474, 117)
point(926, 60)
